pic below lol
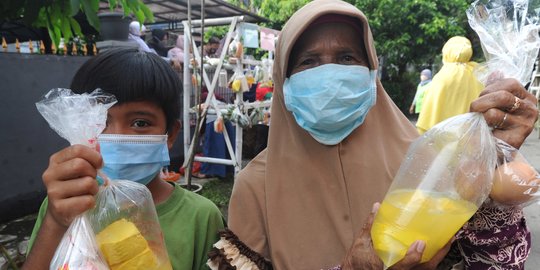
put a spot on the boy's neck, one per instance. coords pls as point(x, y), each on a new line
point(160, 190)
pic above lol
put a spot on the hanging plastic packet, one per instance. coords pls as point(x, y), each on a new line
point(78, 119)
point(438, 187)
point(236, 49)
point(239, 81)
point(250, 79)
point(222, 79)
point(508, 31)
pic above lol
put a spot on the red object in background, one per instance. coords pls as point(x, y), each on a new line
point(261, 92)
point(195, 168)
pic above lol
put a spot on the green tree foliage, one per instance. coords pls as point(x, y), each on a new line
point(408, 35)
point(57, 15)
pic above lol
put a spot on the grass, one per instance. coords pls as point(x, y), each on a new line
point(219, 192)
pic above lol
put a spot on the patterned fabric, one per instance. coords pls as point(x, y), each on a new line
point(495, 238)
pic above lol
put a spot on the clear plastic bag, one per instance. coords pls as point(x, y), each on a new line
point(127, 228)
point(515, 181)
point(508, 31)
point(78, 119)
point(446, 175)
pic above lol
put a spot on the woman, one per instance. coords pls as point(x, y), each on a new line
point(453, 88)
point(302, 201)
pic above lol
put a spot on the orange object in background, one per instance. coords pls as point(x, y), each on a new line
point(170, 176)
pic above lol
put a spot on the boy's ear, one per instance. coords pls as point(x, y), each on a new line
point(173, 132)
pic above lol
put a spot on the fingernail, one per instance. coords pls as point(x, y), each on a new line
point(420, 246)
point(375, 207)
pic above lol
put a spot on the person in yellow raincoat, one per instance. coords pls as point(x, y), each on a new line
point(453, 88)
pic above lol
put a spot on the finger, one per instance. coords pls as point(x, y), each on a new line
point(511, 86)
point(440, 255)
point(366, 229)
point(77, 151)
point(501, 100)
point(412, 257)
point(70, 169)
point(496, 118)
point(72, 188)
point(64, 211)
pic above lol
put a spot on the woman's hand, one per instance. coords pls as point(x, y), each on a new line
point(509, 109)
point(362, 255)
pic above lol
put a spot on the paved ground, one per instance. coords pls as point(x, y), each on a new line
point(531, 151)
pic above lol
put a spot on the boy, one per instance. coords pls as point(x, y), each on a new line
point(147, 90)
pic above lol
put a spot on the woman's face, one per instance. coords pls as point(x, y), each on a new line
point(329, 43)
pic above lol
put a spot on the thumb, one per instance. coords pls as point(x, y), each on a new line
point(412, 257)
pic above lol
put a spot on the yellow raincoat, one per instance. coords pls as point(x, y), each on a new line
point(453, 88)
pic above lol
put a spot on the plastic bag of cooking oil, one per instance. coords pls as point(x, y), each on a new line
point(446, 175)
point(127, 229)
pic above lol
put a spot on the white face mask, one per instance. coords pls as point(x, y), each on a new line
point(330, 101)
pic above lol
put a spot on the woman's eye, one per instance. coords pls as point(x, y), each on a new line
point(140, 123)
point(307, 62)
point(347, 58)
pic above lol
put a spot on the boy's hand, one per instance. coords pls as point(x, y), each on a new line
point(71, 183)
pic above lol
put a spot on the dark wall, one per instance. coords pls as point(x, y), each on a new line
point(26, 140)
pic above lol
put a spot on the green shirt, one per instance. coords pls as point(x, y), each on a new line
point(189, 223)
point(419, 97)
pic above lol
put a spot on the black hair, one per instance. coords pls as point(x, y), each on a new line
point(132, 75)
point(158, 33)
point(214, 40)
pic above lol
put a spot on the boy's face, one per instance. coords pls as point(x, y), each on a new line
point(139, 118)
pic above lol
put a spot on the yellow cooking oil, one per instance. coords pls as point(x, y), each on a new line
point(408, 215)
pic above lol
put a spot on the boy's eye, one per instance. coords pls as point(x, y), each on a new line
point(140, 123)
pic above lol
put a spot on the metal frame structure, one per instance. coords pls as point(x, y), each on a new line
point(210, 102)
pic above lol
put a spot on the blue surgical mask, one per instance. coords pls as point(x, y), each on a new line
point(137, 158)
point(330, 101)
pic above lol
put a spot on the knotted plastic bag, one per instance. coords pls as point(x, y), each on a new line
point(446, 175)
point(508, 32)
point(78, 119)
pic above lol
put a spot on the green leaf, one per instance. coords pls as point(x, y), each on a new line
point(147, 13)
point(139, 14)
point(90, 15)
point(66, 29)
point(75, 7)
point(52, 33)
point(95, 5)
point(76, 27)
point(113, 4)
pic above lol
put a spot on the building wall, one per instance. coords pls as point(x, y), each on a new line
point(26, 140)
